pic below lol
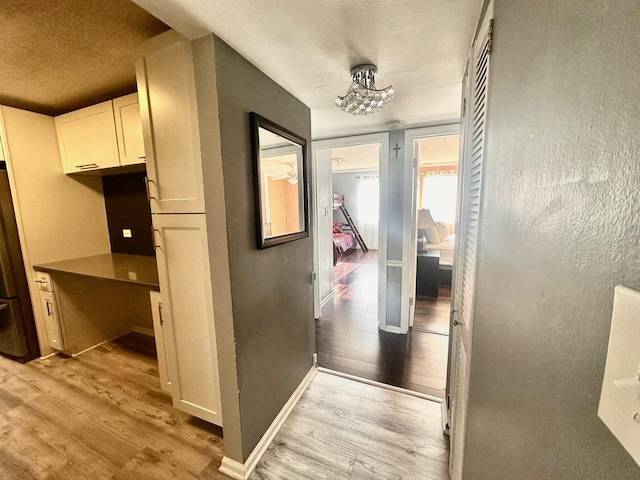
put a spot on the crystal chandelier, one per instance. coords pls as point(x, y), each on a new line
point(362, 98)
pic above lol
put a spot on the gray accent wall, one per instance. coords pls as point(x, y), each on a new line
point(271, 289)
point(560, 228)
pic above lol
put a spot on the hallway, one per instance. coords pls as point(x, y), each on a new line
point(348, 339)
point(342, 429)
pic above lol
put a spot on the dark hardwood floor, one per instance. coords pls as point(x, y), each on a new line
point(349, 341)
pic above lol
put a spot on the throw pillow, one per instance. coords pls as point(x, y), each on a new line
point(432, 235)
point(443, 231)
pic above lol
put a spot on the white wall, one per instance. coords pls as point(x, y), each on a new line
point(59, 216)
point(560, 228)
point(346, 183)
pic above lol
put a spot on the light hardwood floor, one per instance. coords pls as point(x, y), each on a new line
point(342, 429)
point(99, 416)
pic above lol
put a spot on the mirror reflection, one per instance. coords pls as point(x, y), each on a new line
point(281, 186)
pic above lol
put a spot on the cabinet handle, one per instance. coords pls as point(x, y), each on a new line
point(153, 234)
point(42, 282)
point(146, 185)
point(87, 166)
point(48, 310)
point(142, 158)
point(160, 314)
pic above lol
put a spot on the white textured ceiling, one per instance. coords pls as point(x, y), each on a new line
point(61, 55)
point(309, 47)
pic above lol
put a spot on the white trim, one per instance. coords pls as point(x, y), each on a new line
point(238, 471)
point(410, 212)
point(324, 302)
point(143, 330)
point(445, 418)
point(393, 388)
point(232, 469)
point(74, 355)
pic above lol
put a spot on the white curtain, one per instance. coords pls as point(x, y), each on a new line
point(369, 210)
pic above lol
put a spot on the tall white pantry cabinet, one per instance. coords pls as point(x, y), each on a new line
point(166, 88)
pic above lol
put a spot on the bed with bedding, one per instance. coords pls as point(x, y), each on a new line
point(343, 242)
point(446, 251)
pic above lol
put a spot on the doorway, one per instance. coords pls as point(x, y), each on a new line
point(436, 195)
point(349, 328)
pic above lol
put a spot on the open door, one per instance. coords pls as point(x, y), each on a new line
point(322, 195)
point(474, 107)
point(413, 147)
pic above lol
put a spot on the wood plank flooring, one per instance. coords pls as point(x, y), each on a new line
point(348, 339)
point(99, 416)
point(346, 430)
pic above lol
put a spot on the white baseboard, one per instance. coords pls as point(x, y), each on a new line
point(445, 416)
point(329, 297)
point(239, 471)
point(143, 330)
point(233, 469)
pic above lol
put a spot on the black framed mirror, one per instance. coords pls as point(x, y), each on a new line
point(280, 164)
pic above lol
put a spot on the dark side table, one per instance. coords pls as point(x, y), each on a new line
point(427, 273)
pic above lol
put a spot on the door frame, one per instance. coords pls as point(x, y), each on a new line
point(410, 213)
point(381, 138)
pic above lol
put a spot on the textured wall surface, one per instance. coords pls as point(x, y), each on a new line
point(560, 228)
point(271, 289)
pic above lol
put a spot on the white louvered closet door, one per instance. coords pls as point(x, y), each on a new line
point(473, 143)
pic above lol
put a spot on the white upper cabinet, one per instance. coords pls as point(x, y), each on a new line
point(87, 138)
point(126, 111)
point(166, 88)
point(101, 136)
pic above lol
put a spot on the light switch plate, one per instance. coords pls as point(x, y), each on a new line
point(126, 233)
point(619, 405)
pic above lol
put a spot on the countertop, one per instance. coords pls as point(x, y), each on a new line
point(135, 269)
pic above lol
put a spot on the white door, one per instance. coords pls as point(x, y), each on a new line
point(472, 159)
point(87, 138)
point(158, 331)
point(323, 184)
point(168, 108)
point(187, 312)
point(323, 205)
point(126, 111)
point(412, 166)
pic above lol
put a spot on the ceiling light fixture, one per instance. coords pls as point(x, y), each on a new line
point(362, 98)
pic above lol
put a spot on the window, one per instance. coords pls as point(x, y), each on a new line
point(438, 194)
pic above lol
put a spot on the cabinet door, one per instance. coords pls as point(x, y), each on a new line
point(187, 311)
point(87, 138)
point(126, 111)
point(51, 320)
point(166, 89)
point(158, 332)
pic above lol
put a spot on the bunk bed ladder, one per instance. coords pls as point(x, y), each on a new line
point(353, 228)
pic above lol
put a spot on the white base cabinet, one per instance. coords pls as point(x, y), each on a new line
point(158, 332)
point(51, 320)
point(187, 313)
point(49, 306)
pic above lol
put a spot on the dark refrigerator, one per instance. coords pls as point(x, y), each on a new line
point(18, 338)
